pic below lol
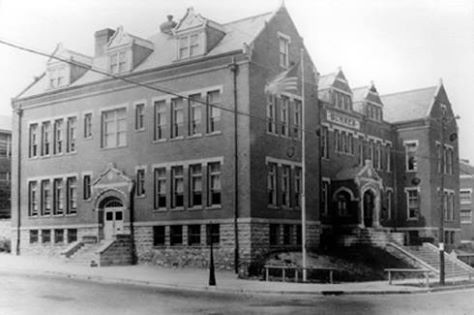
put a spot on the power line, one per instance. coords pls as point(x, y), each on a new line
point(177, 94)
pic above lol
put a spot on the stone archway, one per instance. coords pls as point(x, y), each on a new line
point(368, 201)
point(370, 204)
point(111, 217)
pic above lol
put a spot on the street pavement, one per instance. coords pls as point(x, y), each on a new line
point(194, 279)
point(42, 294)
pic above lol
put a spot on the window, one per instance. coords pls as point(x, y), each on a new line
point(114, 128)
point(58, 236)
point(58, 136)
point(189, 46)
point(194, 234)
point(58, 196)
point(342, 101)
point(342, 201)
point(176, 235)
point(5, 145)
point(45, 197)
point(141, 182)
point(389, 157)
point(271, 120)
point(118, 62)
point(88, 125)
point(413, 203)
point(389, 197)
point(213, 111)
point(71, 134)
point(159, 235)
point(374, 112)
point(160, 188)
point(465, 196)
point(33, 236)
point(448, 205)
point(324, 142)
point(46, 138)
point(298, 186)
point(71, 235)
point(361, 151)
point(177, 117)
point(271, 184)
point(285, 186)
point(325, 197)
point(284, 116)
point(338, 141)
point(177, 180)
point(274, 234)
point(297, 119)
point(86, 187)
point(350, 140)
point(449, 160)
point(286, 234)
point(410, 156)
point(466, 216)
point(71, 183)
point(195, 181)
point(371, 150)
point(33, 198)
point(214, 182)
point(160, 120)
point(377, 159)
point(439, 155)
point(194, 114)
point(45, 236)
point(140, 116)
point(284, 43)
point(57, 77)
point(212, 234)
point(33, 140)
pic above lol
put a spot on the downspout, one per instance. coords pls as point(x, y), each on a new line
point(235, 68)
point(132, 228)
point(19, 112)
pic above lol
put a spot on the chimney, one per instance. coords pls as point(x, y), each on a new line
point(168, 26)
point(102, 37)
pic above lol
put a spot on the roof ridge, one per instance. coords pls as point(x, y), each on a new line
point(361, 87)
point(409, 91)
point(248, 18)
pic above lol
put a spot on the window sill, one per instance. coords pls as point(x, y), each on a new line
point(273, 207)
point(88, 138)
point(178, 209)
point(195, 208)
point(160, 140)
point(140, 197)
point(177, 138)
point(412, 219)
point(197, 135)
point(160, 210)
point(114, 148)
point(214, 207)
point(214, 133)
point(140, 130)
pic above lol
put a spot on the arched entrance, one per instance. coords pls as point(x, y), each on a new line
point(111, 209)
point(369, 205)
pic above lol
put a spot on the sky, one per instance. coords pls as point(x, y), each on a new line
point(398, 44)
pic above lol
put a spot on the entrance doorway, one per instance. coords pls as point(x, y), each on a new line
point(113, 218)
point(369, 203)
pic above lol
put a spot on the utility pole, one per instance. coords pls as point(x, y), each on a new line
point(303, 171)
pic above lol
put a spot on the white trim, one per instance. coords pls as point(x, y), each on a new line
point(113, 107)
point(186, 163)
point(406, 190)
point(341, 189)
point(405, 143)
point(62, 226)
point(135, 105)
point(280, 162)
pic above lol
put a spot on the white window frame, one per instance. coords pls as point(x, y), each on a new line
point(407, 144)
point(407, 196)
point(116, 133)
point(464, 190)
point(284, 42)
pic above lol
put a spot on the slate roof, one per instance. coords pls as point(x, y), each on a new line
point(465, 168)
point(408, 105)
point(236, 34)
point(326, 81)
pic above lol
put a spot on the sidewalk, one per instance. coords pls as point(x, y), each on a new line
point(190, 279)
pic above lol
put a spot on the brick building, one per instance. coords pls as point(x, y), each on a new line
point(142, 140)
point(381, 160)
point(170, 163)
point(5, 165)
point(466, 177)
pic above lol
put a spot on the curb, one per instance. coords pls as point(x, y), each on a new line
point(224, 290)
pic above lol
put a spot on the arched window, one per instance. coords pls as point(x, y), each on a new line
point(342, 203)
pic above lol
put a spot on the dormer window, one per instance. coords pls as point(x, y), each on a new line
point(118, 62)
point(190, 46)
point(284, 44)
point(374, 112)
point(342, 101)
point(57, 77)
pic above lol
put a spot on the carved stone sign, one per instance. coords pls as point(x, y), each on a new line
point(342, 119)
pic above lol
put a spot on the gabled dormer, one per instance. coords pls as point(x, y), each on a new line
point(335, 90)
point(125, 51)
point(367, 101)
point(66, 67)
point(196, 35)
